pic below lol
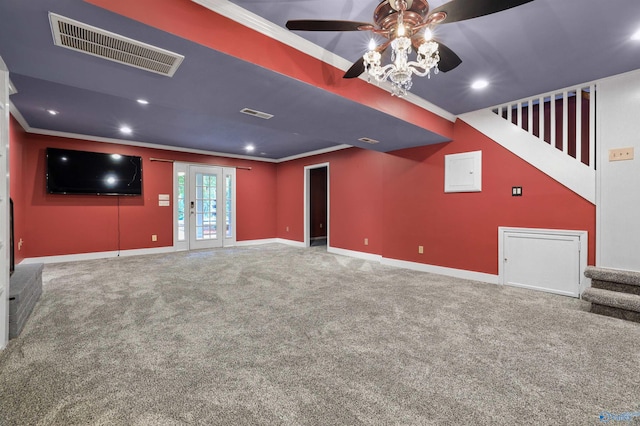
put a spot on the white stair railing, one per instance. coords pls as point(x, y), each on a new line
point(565, 121)
point(554, 132)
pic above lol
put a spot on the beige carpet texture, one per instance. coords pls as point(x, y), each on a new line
point(277, 335)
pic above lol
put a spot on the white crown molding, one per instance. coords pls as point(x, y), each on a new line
point(312, 153)
point(19, 117)
point(284, 36)
point(25, 125)
point(12, 88)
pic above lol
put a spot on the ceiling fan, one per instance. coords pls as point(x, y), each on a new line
point(407, 24)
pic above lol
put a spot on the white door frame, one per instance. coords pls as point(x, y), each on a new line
point(307, 203)
point(228, 240)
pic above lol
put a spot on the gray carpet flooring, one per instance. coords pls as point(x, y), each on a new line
point(279, 335)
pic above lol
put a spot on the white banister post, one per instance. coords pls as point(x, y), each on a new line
point(565, 121)
point(579, 124)
point(592, 126)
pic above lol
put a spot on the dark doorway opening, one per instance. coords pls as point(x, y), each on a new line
point(318, 206)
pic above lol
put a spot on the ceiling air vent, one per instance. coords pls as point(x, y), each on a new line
point(255, 113)
point(368, 140)
point(97, 42)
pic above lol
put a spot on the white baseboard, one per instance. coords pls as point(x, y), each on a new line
point(291, 242)
point(96, 255)
point(356, 254)
point(255, 242)
point(442, 270)
point(270, 241)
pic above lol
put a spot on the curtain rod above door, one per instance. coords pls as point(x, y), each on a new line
point(164, 160)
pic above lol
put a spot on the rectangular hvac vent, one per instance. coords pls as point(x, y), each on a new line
point(94, 41)
point(368, 140)
point(255, 113)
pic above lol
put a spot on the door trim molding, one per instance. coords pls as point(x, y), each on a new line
point(307, 201)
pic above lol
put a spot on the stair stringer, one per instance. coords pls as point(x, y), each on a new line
point(560, 166)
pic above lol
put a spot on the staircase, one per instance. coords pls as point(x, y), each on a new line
point(554, 132)
point(614, 293)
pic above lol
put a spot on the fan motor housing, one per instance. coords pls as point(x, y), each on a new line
point(386, 14)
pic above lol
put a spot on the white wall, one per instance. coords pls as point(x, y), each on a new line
point(4, 205)
point(618, 182)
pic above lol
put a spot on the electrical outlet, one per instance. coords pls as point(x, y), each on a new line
point(20, 243)
point(287, 229)
point(420, 249)
point(621, 154)
point(320, 226)
point(366, 241)
point(154, 237)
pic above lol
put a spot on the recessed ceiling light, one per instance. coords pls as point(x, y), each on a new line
point(52, 111)
point(249, 148)
point(126, 130)
point(636, 36)
point(143, 102)
point(479, 84)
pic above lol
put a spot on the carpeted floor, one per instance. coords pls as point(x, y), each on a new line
point(280, 335)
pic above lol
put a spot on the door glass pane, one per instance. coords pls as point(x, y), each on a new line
point(181, 189)
point(206, 206)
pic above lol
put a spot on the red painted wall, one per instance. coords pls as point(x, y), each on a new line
point(52, 224)
point(356, 198)
point(460, 230)
point(397, 201)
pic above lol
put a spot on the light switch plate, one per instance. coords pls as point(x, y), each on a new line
point(620, 154)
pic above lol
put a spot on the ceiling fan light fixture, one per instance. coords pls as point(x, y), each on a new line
point(400, 22)
point(401, 69)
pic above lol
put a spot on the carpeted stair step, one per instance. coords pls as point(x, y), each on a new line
point(614, 280)
point(613, 303)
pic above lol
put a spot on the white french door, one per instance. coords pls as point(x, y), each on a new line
point(204, 207)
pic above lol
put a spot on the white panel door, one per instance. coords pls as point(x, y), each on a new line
point(547, 262)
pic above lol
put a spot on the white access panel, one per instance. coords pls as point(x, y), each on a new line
point(463, 172)
point(546, 260)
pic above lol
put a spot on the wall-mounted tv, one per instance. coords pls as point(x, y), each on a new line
point(82, 172)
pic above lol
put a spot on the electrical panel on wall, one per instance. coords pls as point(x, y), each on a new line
point(463, 172)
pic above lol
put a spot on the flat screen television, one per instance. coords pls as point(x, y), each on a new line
point(82, 172)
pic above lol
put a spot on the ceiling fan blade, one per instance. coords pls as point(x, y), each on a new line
point(460, 10)
point(317, 25)
point(356, 69)
point(358, 66)
point(448, 59)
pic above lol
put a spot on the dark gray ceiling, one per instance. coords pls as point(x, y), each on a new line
point(535, 48)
